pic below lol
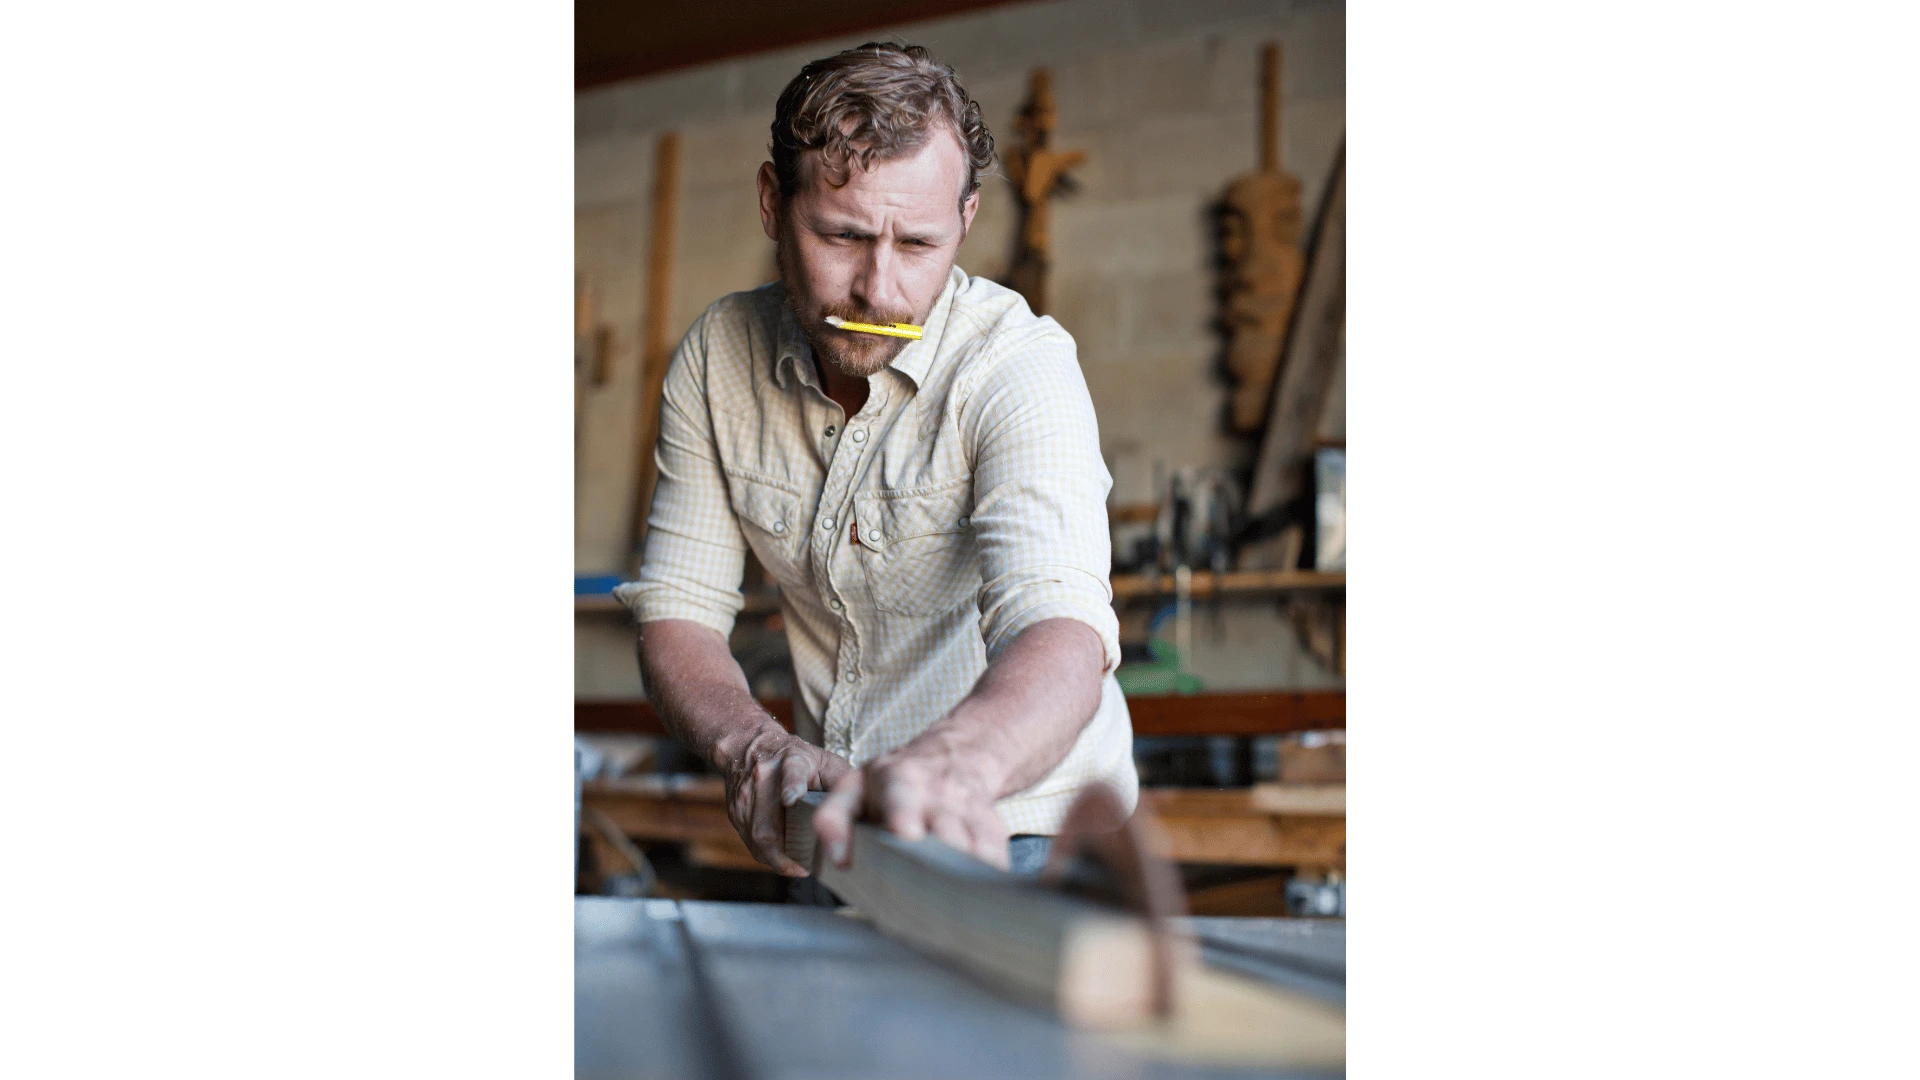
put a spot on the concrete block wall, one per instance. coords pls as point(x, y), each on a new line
point(1163, 96)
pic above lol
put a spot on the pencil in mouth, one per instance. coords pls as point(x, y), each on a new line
point(899, 329)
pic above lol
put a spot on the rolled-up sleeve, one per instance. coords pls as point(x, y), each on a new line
point(695, 553)
point(1040, 490)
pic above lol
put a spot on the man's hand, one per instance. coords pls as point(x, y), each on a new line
point(917, 792)
point(767, 770)
point(1020, 721)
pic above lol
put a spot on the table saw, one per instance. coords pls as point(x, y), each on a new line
point(694, 990)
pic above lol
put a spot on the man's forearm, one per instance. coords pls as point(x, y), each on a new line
point(697, 686)
point(1024, 714)
point(704, 701)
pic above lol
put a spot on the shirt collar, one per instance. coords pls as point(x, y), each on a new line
point(794, 352)
point(916, 359)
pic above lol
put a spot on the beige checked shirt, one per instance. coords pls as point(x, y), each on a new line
point(911, 543)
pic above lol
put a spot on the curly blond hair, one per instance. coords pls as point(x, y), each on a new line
point(876, 102)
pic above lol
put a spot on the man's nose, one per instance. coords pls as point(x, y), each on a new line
point(877, 284)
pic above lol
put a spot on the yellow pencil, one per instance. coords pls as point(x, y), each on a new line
point(899, 329)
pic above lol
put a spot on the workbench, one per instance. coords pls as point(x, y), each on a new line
point(700, 990)
point(1225, 826)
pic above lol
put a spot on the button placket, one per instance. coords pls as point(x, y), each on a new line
point(843, 471)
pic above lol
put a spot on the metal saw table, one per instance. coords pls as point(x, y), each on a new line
point(694, 990)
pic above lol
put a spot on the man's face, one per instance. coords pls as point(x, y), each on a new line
point(876, 249)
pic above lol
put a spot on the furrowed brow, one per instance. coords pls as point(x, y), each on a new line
point(832, 226)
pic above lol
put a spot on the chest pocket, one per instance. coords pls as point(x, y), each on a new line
point(917, 549)
point(771, 518)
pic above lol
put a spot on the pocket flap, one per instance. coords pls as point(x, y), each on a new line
point(768, 507)
point(888, 517)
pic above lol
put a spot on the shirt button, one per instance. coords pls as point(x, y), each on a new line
point(860, 435)
point(875, 535)
point(830, 431)
point(834, 604)
point(852, 675)
point(963, 523)
point(826, 524)
point(779, 527)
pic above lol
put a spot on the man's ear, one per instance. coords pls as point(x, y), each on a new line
point(769, 185)
point(967, 210)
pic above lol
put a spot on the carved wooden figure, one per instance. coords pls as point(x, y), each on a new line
point(1260, 241)
point(1037, 172)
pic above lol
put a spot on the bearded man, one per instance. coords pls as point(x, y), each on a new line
point(933, 510)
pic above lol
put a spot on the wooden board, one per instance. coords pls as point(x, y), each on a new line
point(1262, 896)
point(1088, 964)
point(1092, 966)
point(643, 808)
point(1224, 827)
point(1308, 759)
point(1274, 713)
point(730, 854)
point(1318, 800)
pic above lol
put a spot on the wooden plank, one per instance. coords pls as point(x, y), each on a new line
point(1092, 966)
point(1170, 714)
point(1267, 841)
point(1313, 759)
point(725, 855)
point(655, 347)
point(1224, 827)
point(1238, 714)
point(651, 813)
point(1264, 896)
point(1320, 800)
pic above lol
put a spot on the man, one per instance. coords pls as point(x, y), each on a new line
point(933, 511)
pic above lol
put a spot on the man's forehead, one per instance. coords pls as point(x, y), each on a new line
point(934, 171)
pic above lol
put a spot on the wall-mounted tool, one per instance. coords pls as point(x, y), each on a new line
point(1260, 247)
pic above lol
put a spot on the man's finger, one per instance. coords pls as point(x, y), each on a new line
point(951, 829)
point(833, 818)
point(903, 805)
point(831, 768)
point(989, 836)
point(797, 772)
point(767, 839)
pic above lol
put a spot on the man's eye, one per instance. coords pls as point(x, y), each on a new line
point(845, 236)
